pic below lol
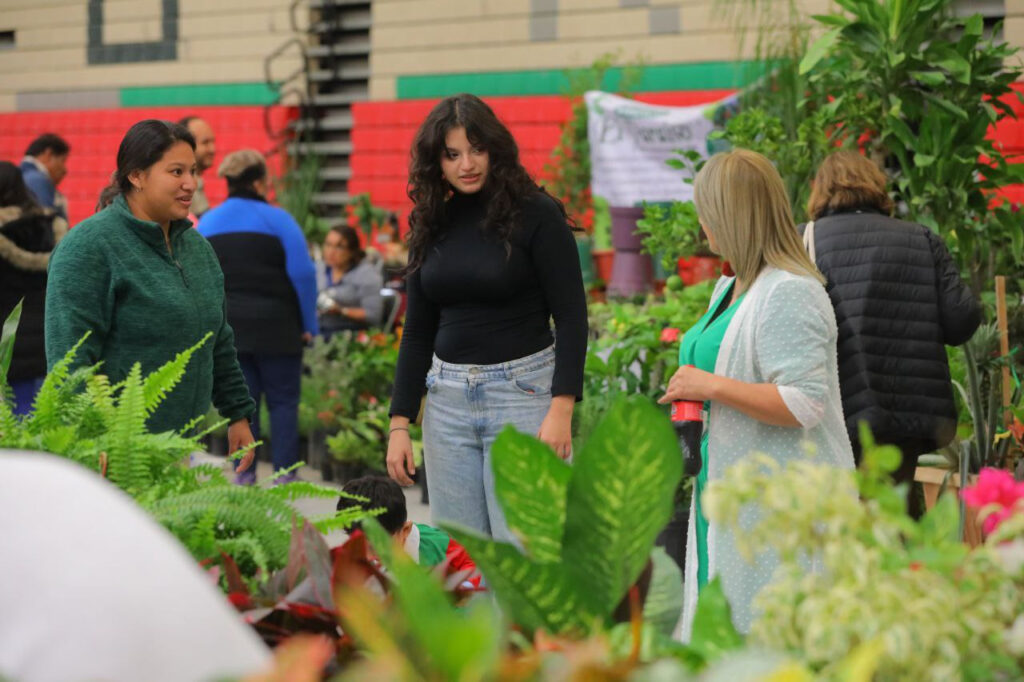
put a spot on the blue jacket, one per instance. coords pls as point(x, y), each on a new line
point(41, 186)
point(269, 278)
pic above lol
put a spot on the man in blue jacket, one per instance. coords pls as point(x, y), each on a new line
point(44, 166)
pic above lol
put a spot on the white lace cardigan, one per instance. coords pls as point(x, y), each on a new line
point(784, 332)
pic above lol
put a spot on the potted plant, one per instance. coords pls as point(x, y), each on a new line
point(985, 441)
point(568, 171)
point(602, 252)
point(359, 445)
point(368, 217)
point(671, 232)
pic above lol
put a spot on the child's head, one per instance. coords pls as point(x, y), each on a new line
point(381, 491)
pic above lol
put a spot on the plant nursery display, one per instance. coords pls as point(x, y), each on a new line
point(80, 415)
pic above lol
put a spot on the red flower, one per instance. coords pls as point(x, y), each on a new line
point(998, 488)
point(669, 335)
point(240, 600)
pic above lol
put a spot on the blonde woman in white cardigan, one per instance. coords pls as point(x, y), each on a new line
point(762, 359)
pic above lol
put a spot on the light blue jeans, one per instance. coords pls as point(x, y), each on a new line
point(467, 407)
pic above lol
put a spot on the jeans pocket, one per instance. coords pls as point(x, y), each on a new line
point(431, 381)
point(537, 382)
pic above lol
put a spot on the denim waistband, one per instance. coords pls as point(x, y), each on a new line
point(501, 370)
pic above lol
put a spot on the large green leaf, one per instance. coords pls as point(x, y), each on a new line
point(950, 60)
point(974, 25)
point(531, 483)
point(664, 600)
point(946, 105)
point(933, 79)
point(831, 19)
point(620, 497)
point(819, 49)
point(713, 633)
point(536, 596)
point(7, 335)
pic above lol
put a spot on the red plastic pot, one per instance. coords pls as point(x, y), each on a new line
point(603, 260)
point(697, 269)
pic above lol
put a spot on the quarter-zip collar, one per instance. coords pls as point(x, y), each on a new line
point(148, 231)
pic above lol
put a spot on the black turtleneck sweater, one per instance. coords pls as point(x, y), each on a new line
point(473, 302)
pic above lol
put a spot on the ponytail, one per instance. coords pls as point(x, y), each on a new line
point(108, 194)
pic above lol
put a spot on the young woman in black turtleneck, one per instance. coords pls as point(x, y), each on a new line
point(492, 262)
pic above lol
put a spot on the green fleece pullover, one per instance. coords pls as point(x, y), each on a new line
point(113, 275)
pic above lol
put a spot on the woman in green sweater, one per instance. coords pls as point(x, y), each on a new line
point(147, 286)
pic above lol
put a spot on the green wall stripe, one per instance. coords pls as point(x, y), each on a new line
point(202, 94)
point(654, 78)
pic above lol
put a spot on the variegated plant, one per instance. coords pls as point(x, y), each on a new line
point(586, 529)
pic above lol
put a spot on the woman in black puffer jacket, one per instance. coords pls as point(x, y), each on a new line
point(899, 301)
point(27, 235)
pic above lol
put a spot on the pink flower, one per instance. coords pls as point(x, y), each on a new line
point(997, 488)
point(669, 335)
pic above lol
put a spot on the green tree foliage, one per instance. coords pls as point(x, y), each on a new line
point(920, 88)
point(568, 171)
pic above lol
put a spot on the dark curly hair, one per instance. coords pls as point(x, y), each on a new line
point(506, 186)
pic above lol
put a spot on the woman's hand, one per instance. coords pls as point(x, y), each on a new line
point(240, 436)
point(690, 383)
point(556, 429)
point(401, 465)
point(762, 402)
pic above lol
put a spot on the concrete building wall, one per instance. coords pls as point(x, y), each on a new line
point(414, 38)
point(93, 53)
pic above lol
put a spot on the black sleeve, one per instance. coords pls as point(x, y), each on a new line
point(416, 351)
point(557, 262)
point(959, 310)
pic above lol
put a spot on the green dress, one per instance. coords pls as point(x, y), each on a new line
point(700, 348)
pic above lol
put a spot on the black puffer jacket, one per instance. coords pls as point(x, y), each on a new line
point(25, 244)
point(899, 301)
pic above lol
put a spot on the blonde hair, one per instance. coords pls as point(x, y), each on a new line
point(847, 180)
point(742, 202)
point(236, 163)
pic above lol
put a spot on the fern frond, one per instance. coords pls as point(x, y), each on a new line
point(297, 490)
point(59, 440)
point(160, 382)
point(101, 394)
point(248, 553)
point(211, 428)
point(47, 397)
point(189, 427)
point(343, 519)
point(130, 466)
point(239, 509)
point(11, 431)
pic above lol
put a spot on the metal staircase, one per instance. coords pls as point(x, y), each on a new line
point(335, 53)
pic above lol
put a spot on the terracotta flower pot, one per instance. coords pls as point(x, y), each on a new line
point(603, 260)
point(931, 480)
